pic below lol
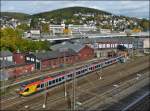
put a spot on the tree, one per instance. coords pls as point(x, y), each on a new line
point(145, 24)
point(23, 27)
point(10, 32)
point(45, 28)
point(11, 40)
point(34, 23)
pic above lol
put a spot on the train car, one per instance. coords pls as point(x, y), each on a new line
point(61, 77)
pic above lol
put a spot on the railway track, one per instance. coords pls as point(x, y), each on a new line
point(11, 90)
point(91, 94)
point(60, 97)
point(109, 96)
point(82, 95)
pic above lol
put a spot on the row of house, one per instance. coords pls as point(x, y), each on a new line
point(61, 30)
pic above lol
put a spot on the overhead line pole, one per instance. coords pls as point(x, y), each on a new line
point(74, 89)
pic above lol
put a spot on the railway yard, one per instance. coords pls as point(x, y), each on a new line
point(98, 90)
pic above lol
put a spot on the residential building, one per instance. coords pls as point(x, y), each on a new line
point(81, 28)
point(57, 29)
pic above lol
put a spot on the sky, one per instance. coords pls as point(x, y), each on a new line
point(131, 8)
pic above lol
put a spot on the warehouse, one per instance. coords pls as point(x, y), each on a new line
point(10, 69)
point(52, 59)
point(84, 51)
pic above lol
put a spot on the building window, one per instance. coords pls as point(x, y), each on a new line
point(21, 57)
point(28, 58)
point(32, 59)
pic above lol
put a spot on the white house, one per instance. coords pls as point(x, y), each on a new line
point(57, 29)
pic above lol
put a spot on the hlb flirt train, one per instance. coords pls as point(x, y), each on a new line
point(32, 87)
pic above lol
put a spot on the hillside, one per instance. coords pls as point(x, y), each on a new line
point(16, 15)
point(68, 12)
point(82, 15)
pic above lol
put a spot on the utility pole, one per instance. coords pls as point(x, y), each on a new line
point(4, 76)
point(65, 75)
point(74, 91)
point(64, 50)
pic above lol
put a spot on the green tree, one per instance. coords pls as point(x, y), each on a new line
point(11, 40)
point(23, 27)
point(145, 24)
point(45, 28)
point(34, 23)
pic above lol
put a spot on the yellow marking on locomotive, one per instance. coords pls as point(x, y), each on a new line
point(29, 90)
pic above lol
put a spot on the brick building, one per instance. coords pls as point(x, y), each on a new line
point(84, 52)
point(52, 59)
point(19, 58)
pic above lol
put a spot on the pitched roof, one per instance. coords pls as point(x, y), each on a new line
point(76, 46)
point(54, 54)
point(5, 53)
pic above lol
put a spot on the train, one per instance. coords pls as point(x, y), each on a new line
point(44, 83)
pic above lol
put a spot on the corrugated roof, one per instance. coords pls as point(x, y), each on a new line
point(53, 54)
point(76, 46)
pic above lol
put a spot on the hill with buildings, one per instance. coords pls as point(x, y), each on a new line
point(81, 16)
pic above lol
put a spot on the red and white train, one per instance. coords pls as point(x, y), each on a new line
point(58, 78)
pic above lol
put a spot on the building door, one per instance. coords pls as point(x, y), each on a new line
point(38, 65)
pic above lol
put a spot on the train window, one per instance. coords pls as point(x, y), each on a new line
point(42, 85)
point(26, 90)
point(62, 77)
point(56, 80)
point(53, 81)
point(49, 82)
point(90, 68)
point(59, 79)
point(78, 72)
point(70, 75)
point(38, 86)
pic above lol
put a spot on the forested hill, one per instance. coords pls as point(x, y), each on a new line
point(69, 12)
point(16, 15)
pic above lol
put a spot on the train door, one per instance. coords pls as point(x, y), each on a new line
point(46, 84)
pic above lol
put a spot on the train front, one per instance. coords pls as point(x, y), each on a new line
point(23, 90)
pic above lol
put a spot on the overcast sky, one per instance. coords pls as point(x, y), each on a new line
point(132, 8)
